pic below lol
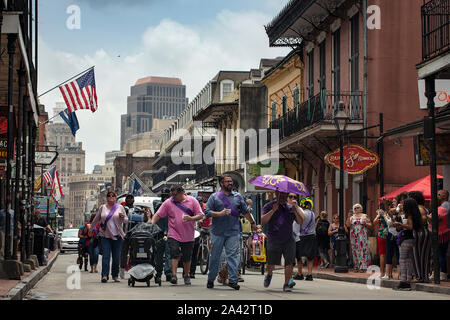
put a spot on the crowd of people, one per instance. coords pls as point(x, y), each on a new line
point(402, 227)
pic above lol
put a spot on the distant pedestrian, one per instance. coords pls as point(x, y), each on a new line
point(392, 249)
point(359, 223)
point(93, 247)
point(225, 208)
point(182, 211)
point(412, 221)
point(333, 230)
point(306, 240)
point(381, 221)
point(323, 239)
point(112, 216)
point(422, 245)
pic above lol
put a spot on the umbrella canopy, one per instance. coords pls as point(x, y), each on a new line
point(423, 185)
point(280, 183)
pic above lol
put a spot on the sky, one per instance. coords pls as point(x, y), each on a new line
point(130, 39)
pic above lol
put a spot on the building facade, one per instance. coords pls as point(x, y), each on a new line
point(151, 98)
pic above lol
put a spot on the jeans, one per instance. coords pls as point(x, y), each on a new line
point(323, 252)
point(93, 254)
point(111, 247)
point(231, 245)
point(162, 259)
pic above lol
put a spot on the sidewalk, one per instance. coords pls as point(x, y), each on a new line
point(356, 277)
point(18, 289)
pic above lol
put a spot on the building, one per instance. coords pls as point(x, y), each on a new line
point(126, 166)
point(346, 57)
point(82, 197)
point(166, 171)
point(111, 155)
point(151, 98)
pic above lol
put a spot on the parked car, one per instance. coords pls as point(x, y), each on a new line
point(69, 240)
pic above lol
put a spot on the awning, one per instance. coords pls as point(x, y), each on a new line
point(423, 185)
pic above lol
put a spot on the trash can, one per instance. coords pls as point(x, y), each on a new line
point(51, 241)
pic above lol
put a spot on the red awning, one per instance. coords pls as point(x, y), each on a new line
point(422, 185)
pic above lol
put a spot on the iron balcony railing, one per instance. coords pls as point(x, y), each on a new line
point(435, 28)
point(158, 177)
point(205, 171)
point(319, 108)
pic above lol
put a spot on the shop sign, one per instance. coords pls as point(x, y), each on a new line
point(357, 159)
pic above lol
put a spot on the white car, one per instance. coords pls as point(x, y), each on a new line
point(69, 240)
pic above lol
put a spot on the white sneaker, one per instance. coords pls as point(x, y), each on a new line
point(385, 277)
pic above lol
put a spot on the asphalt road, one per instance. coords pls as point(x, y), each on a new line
point(60, 285)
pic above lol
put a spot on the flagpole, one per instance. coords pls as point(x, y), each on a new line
point(65, 82)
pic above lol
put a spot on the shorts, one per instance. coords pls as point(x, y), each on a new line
point(381, 246)
point(275, 250)
point(186, 249)
point(306, 247)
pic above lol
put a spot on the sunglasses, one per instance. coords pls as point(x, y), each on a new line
point(292, 197)
point(110, 196)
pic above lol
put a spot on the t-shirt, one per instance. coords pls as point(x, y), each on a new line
point(308, 227)
point(178, 229)
point(279, 227)
point(225, 226)
point(111, 224)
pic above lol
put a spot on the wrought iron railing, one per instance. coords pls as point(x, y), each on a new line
point(319, 108)
point(435, 28)
point(205, 171)
point(158, 177)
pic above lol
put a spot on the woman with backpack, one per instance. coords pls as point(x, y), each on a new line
point(323, 239)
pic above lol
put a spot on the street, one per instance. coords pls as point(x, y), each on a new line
point(54, 287)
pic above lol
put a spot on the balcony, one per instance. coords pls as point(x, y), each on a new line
point(320, 108)
point(435, 28)
point(157, 178)
point(204, 172)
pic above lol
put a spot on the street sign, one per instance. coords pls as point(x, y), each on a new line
point(45, 157)
point(357, 159)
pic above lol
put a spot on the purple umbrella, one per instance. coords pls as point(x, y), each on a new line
point(280, 183)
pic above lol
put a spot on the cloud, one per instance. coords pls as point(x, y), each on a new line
point(98, 4)
point(193, 53)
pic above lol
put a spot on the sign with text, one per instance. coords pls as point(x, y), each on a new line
point(357, 159)
point(422, 151)
point(41, 204)
point(442, 98)
point(45, 157)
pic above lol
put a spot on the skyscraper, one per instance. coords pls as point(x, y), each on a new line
point(151, 98)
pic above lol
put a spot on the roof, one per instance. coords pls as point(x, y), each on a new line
point(159, 80)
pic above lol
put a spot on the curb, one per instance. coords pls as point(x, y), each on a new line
point(21, 289)
point(384, 283)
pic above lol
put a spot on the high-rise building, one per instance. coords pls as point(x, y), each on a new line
point(151, 98)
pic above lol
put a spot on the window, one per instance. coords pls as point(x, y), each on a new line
point(354, 58)
point(296, 97)
point(337, 62)
point(226, 87)
point(311, 74)
point(274, 110)
point(284, 105)
point(322, 66)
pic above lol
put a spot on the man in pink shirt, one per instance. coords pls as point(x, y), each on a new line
point(183, 211)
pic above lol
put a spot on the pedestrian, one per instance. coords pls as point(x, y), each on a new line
point(333, 230)
point(182, 211)
point(195, 251)
point(39, 235)
point(162, 257)
point(323, 239)
point(92, 246)
point(112, 216)
point(306, 240)
point(279, 216)
point(412, 221)
point(225, 207)
point(359, 223)
point(83, 246)
point(392, 250)
point(381, 221)
point(443, 194)
point(443, 235)
point(422, 246)
point(257, 239)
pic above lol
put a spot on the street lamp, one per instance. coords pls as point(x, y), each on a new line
point(341, 120)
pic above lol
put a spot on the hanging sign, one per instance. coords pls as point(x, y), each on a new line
point(357, 159)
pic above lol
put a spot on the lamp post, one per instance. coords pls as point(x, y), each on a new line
point(341, 120)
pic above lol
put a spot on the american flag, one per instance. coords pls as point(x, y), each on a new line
point(49, 176)
point(80, 93)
